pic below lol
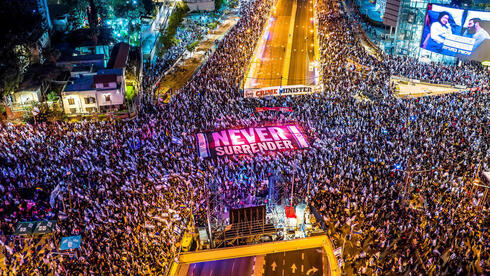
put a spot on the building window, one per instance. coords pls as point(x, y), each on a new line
point(71, 101)
point(91, 109)
point(89, 100)
point(73, 110)
point(107, 98)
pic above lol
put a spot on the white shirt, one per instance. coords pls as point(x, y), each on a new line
point(438, 32)
point(479, 37)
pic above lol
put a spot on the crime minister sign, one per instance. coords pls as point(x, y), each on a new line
point(250, 140)
point(280, 91)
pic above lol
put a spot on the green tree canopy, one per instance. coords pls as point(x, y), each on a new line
point(132, 9)
point(167, 38)
point(21, 27)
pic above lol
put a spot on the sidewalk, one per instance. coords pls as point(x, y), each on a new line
point(183, 70)
point(150, 33)
point(368, 45)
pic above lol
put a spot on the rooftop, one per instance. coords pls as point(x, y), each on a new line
point(82, 58)
point(115, 71)
point(105, 78)
point(119, 56)
point(84, 83)
point(82, 68)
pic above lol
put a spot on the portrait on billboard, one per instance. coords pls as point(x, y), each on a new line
point(477, 27)
point(457, 32)
point(476, 31)
point(439, 25)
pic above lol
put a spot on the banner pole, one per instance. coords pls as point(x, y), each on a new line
point(474, 178)
point(292, 182)
point(308, 189)
point(209, 220)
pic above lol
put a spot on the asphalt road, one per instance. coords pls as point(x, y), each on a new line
point(303, 50)
point(294, 263)
point(238, 267)
point(270, 69)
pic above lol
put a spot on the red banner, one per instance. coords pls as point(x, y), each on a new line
point(275, 108)
point(288, 90)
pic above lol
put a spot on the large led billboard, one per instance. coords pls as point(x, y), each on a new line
point(457, 32)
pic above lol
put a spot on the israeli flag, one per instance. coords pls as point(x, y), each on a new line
point(177, 140)
point(71, 242)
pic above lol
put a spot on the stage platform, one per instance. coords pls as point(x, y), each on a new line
point(308, 256)
point(406, 88)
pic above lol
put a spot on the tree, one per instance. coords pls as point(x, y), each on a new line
point(79, 8)
point(127, 9)
point(52, 96)
point(21, 29)
point(167, 37)
point(93, 21)
point(10, 74)
point(218, 4)
point(149, 6)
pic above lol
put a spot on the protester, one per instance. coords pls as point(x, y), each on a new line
point(192, 30)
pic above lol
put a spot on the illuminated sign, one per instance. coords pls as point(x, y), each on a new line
point(250, 141)
point(275, 108)
point(281, 91)
point(457, 32)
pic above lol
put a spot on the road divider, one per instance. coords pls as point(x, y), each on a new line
point(287, 56)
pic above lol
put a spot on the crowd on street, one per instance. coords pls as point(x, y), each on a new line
point(193, 29)
point(132, 188)
point(362, 173)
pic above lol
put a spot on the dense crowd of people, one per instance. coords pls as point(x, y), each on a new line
point(126, 187)
point(192, 30)
point(132, 188)
point(360, 192)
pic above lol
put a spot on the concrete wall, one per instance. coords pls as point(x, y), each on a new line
point(27, 97)
point(200, 5)
point(79, 104)
point(110, 85)
point(116, 97)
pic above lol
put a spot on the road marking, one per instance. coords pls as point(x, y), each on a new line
point(316, 44)
point(287, 56)
point(255, 59)
point(293, 268)
point(311, 270)
point(274, 265)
